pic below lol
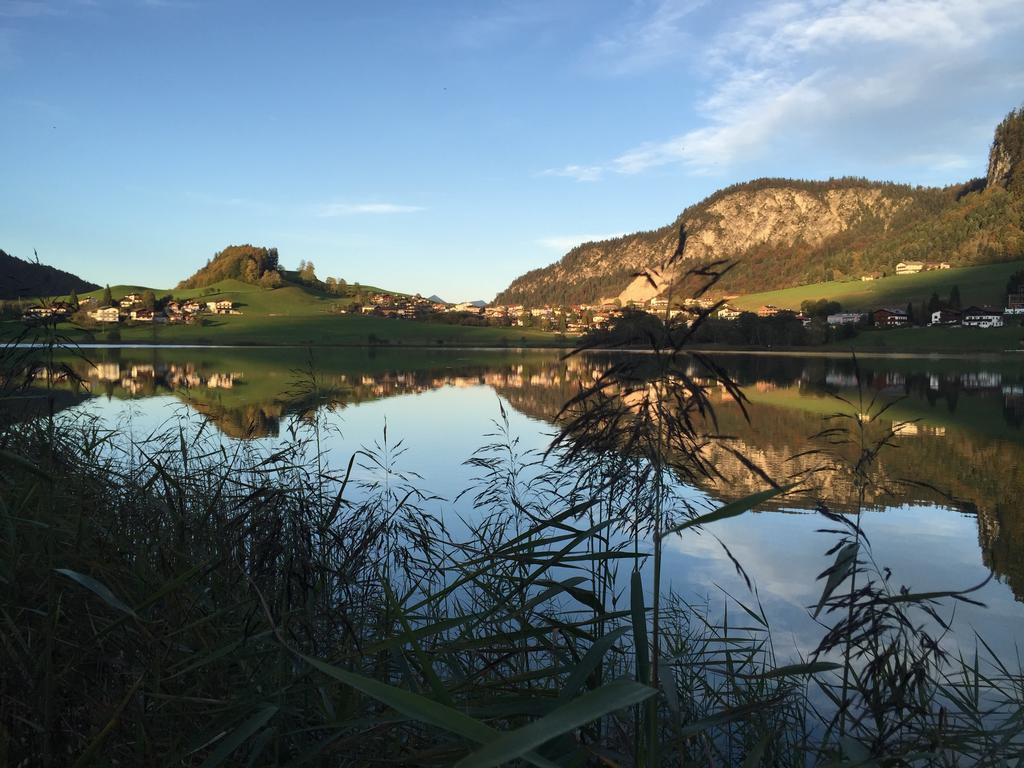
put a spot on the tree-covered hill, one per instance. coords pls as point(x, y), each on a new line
point(783, 233)
point(248, 263)
point(20, 279)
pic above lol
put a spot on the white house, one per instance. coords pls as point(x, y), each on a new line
point(106, 315)
point(909, 267)
point(945, 317)
point(983, 317)
point(844, 318)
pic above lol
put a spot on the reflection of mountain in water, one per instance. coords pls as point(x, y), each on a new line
point(959, 439)
point(966, 442)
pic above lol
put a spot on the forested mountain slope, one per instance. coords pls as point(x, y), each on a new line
point(785, 232)
point(20, 279)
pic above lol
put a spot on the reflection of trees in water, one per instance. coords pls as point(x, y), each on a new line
point(958, 455)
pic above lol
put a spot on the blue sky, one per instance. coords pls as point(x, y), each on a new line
point(446, 147)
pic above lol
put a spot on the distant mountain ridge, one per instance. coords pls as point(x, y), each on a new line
point(21, 279)
point(784, 232)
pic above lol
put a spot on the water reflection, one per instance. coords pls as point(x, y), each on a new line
point(959, 423)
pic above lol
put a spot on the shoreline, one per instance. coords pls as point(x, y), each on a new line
point(563, 349)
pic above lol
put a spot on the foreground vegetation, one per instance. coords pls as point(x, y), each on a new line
point(180, 600)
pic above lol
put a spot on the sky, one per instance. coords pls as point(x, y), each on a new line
point(447, 147)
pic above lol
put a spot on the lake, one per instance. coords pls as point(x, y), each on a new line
point(944, 513)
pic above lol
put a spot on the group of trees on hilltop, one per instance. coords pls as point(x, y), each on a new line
point(248, 263)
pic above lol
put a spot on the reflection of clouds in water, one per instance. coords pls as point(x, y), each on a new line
point(784, 553)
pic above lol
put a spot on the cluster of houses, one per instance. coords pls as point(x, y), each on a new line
point(575, 318)
point(579, 318)
point(132, 308)
point(892, 317)
point(974, 317)
point(410, 307)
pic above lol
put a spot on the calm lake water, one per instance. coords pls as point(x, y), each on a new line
point(961, 443)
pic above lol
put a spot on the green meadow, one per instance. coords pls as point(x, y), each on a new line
point(294, 316)
point(978, 285)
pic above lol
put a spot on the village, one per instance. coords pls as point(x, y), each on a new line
point(571, 320)
point(133, 308)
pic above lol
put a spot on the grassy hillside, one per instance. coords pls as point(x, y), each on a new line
point(978, 285)
point(295, 315)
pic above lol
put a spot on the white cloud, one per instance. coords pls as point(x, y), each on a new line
point(648, 41)
point(563, 243)
point(939, 161)
point(578, 172)
point(355, 209)
point(812, 68)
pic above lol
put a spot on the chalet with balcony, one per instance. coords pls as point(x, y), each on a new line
point(888, 317)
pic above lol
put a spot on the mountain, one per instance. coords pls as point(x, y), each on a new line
point(248, 263)
point(31, 280)
point(479, 303)
point(784, 232)
point(436, 299)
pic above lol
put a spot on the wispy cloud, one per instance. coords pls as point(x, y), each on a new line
point(651, 38)
point(812, 69)
point(168, 3)
point(494, 24)
point(578, 172)
point(25, 9)
point(329, 210)
point(562, 243)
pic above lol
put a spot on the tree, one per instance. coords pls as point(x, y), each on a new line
point(910, 312)
point(307, 272)
point(934, 304)
point(107, 299)
point(820, 307)
point(73, 298)
point(251, 272)
point(954, 297)
point(271, 279)
point(332, 285)
point(148, 300)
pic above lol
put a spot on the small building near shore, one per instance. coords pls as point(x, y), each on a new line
point(946, 317)
point(983, 317)
point(844, 318)
point(888, 317)
point(106, 315)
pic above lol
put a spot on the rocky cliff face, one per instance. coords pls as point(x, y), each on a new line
point(1006, 157)
point(767, 214)
point(778, 216)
